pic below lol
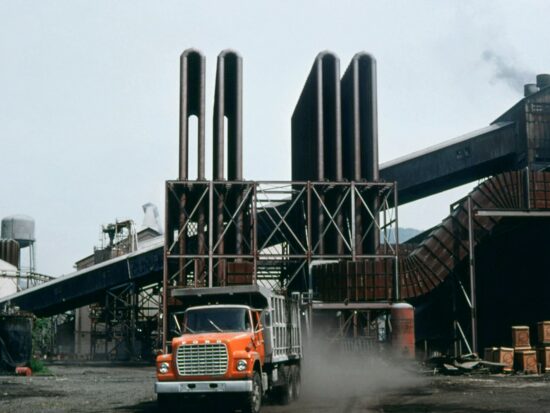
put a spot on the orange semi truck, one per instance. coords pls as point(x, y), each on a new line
point(238, 343)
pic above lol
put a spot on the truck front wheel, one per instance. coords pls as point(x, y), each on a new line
point(253, 400)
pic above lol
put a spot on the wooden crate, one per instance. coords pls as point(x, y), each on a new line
point(520, 338)
point(526, 361)
point(543, 355)
point(505, 355)
point(543, 331)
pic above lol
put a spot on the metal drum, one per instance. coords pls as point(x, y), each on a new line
point(402, 321)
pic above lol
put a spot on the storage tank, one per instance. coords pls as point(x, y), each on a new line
point(402, 322)
point(8, 282)
point(19, 228)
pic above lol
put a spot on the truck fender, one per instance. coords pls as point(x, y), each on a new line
point(253, 356)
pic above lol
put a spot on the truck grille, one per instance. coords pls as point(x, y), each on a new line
point(202, 359)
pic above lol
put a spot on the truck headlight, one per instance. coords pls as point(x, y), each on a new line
point(163, 368)
point(241, 365)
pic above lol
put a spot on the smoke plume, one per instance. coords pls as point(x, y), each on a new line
point(507, 72)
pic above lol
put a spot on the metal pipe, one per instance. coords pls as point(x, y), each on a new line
point(360, 137)
point(332, 142)
point(316, 126)
point(369, 115)
point(397, 278)
point(219, 113)
point(331, 115)
point(210, 232)
point(254, 232)
point(168, 235)
point(192, 103)
point(472, 267)
point(228, 105)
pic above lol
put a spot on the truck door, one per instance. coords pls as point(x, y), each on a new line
point(258, 335)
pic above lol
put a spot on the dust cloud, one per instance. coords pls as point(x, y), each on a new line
point(329, 372)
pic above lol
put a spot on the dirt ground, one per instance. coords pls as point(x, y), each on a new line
point(106, 388)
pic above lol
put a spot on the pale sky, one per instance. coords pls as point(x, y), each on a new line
point(89, 93)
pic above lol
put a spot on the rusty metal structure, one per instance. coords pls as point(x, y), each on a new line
point(331, 232)
point(512, 157)
point(282, 233)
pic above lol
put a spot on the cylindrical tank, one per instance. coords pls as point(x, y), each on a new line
point(529, 89)
point(402, 322)
point(15, 341)
point(543, 80)
point(9, 251)
point(19, 228)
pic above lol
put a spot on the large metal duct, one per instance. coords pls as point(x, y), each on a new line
point(192, 103)
point(316, 138)
point(360, 138)
point(332, 138)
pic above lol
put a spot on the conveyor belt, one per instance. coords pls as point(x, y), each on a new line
point(476, 155)
point(88, 285)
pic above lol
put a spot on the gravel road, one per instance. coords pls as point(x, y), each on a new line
point(103, 388)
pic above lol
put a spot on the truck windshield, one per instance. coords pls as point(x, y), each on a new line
point(209, 320)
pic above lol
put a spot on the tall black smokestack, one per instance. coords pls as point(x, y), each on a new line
point(316, 138)
point(360, 139)
point(228, 104)
point(192, 91)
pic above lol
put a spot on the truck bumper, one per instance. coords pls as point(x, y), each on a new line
point(237, 386)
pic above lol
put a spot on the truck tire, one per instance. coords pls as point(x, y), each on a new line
point(286, 391)
point(253, 400)
point(297, 381)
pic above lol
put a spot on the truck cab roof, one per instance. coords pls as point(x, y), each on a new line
point(254, 296)
point(209, 306)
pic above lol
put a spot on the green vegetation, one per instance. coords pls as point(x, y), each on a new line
point(37, 367)
point(42, 336)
